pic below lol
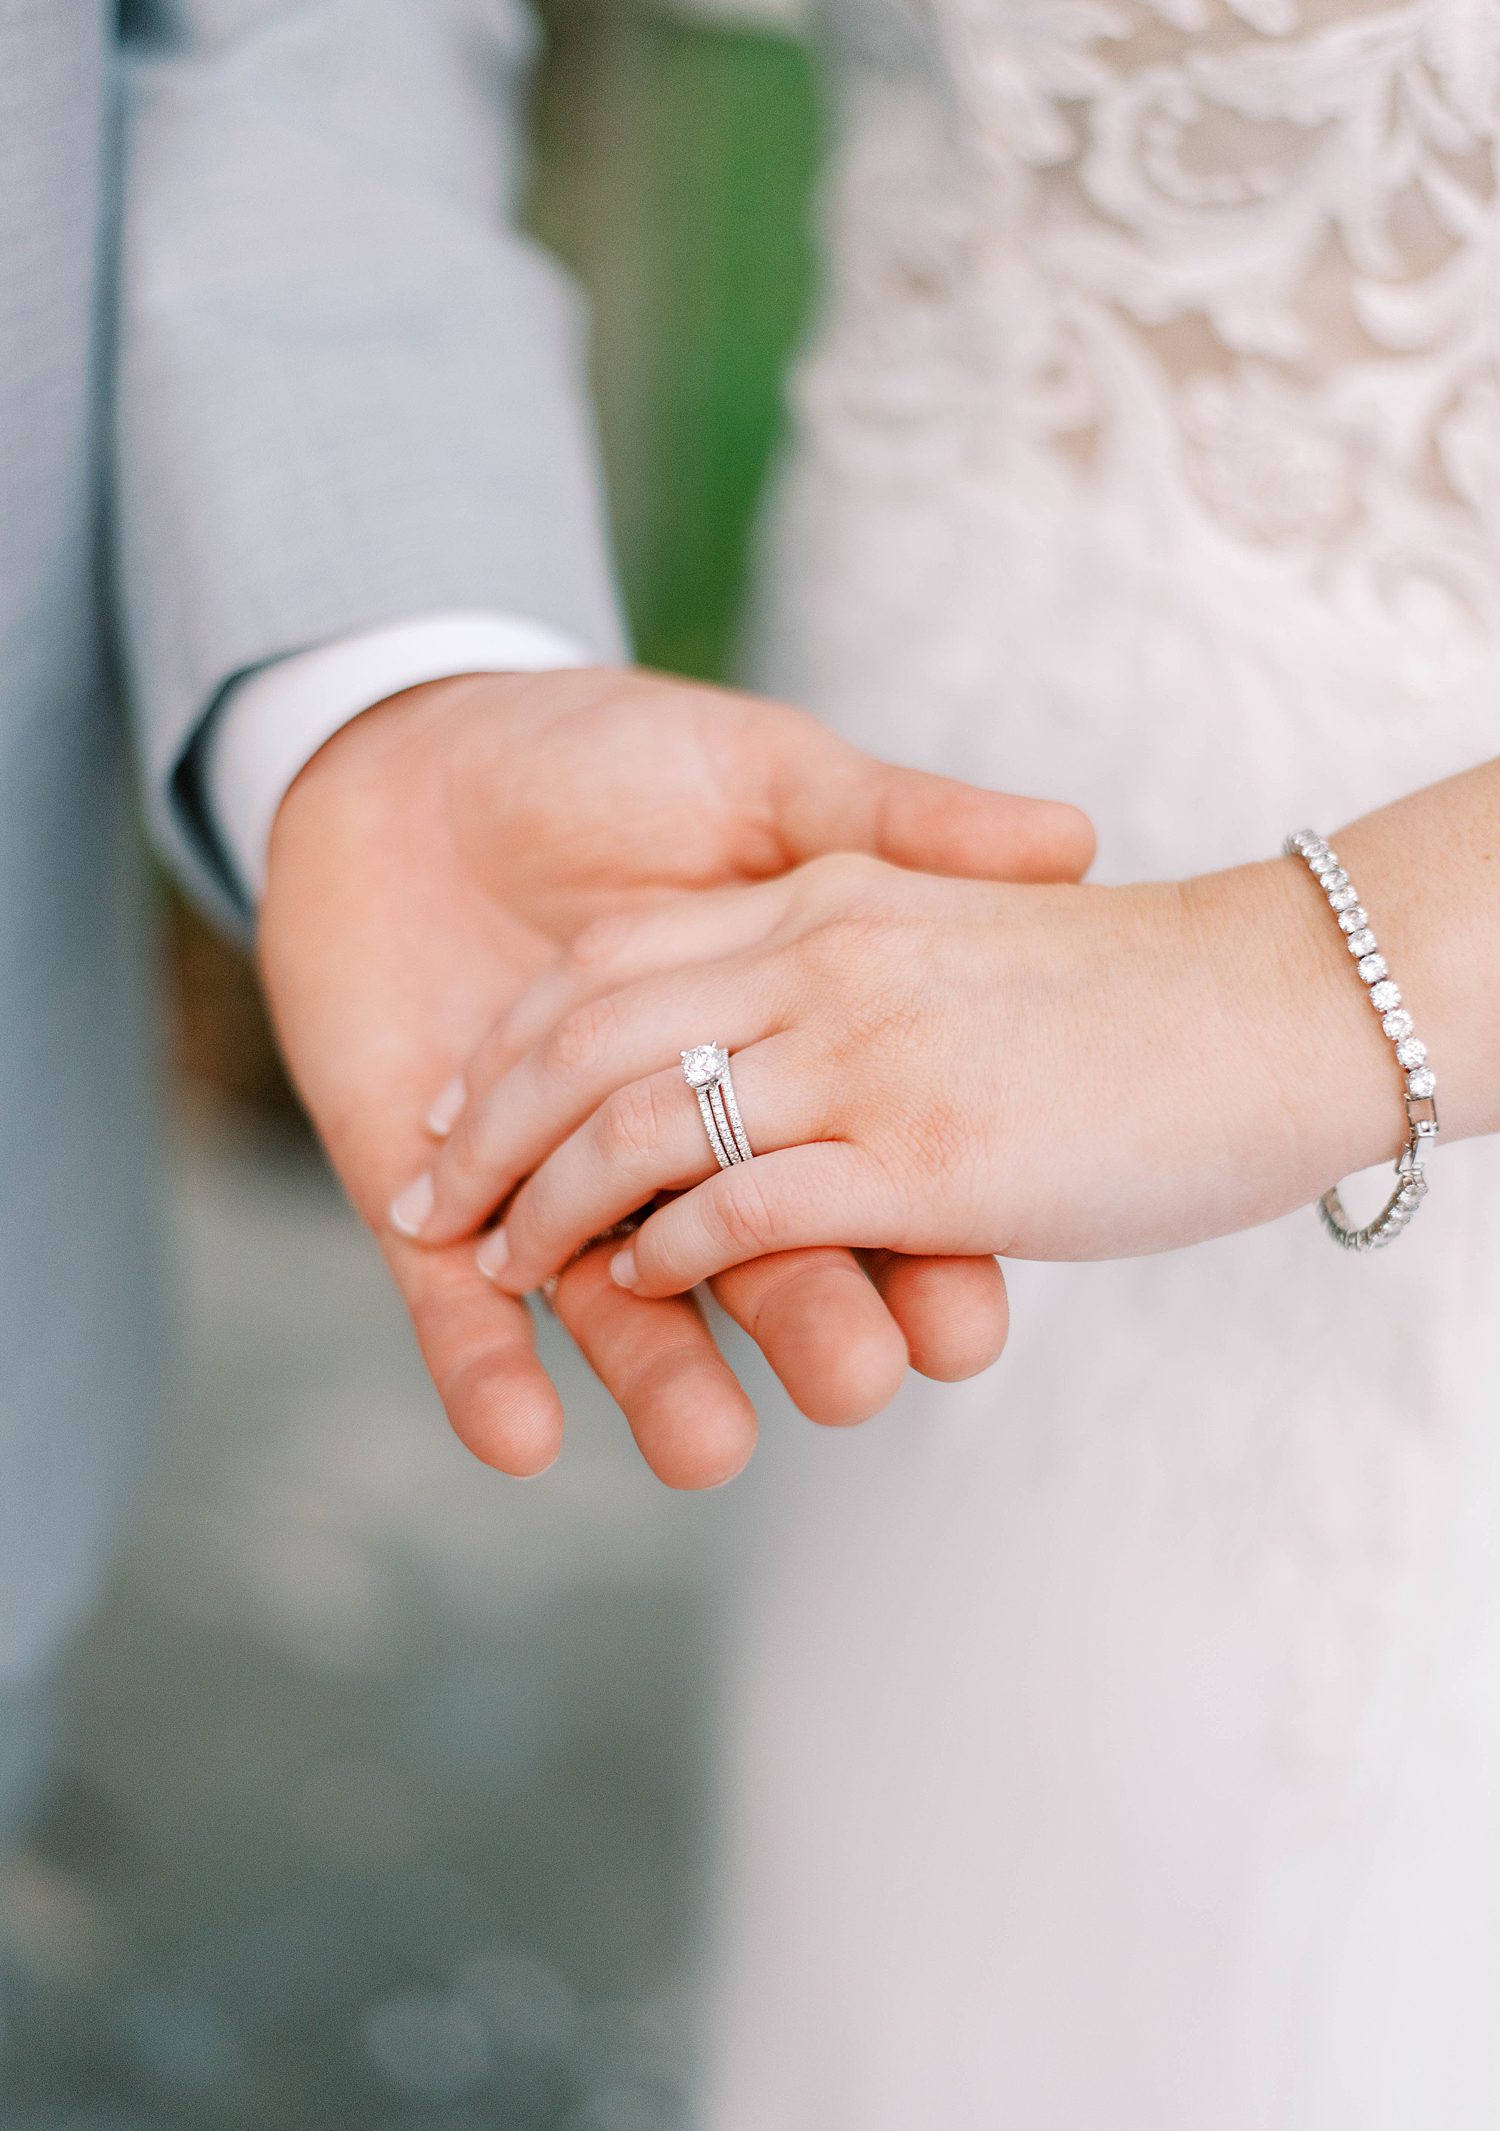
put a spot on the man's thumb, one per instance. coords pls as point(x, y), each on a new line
point(936, 824)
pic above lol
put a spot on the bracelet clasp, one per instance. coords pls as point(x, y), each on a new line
point(1422, 1123)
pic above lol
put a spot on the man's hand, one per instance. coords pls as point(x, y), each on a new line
point(444, 848)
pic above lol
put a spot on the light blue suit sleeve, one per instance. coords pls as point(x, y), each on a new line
point(347, 389)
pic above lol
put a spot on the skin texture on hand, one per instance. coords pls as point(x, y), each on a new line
point(931, 1065)
point(438, 855)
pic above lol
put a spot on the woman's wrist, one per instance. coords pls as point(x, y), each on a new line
point(1294, 1016)
point(1304, 1054)
point(1428, 869)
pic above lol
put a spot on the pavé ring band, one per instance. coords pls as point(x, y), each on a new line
point(705, 1068)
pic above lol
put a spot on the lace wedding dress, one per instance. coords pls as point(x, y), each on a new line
point(1116, 1743)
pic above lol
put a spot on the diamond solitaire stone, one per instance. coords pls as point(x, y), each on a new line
point(1323, 862)
point(703, 1065)
point(1384, 996)
point(1336, 881)
point(1371, 967)
point(1412, 1051)
point(1397, 1024)
point(1362, 942)
point(1354, 918)
point(1345, 898)
point(1421, 1083)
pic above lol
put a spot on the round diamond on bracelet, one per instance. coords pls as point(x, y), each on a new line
point(1411, 1055)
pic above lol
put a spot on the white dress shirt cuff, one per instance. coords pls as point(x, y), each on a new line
point(274, 720)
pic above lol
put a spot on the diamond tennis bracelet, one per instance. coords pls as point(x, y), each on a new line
point(1411, 1055)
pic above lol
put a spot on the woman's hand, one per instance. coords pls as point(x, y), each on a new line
point(924, 1065)
point(437, 853)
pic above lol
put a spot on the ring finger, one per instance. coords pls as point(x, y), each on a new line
point(507, 1129)
point(646, 1138)
point(700, 927)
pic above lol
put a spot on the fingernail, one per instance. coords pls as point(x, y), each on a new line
point(622, 1268)
point(493, 1254)
point(444, 1114)
point(411, 1209)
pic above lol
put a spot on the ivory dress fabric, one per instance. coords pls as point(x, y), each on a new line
point(1116, 1739)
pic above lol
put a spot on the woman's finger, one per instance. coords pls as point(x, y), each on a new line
point(838, 1350)
point(508, 1128)
point(821, 1193)
point(954, 1313)
point(646, 1138)
point(610, 954)
point(690, 1416)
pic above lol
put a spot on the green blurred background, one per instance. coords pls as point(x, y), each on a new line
point(675, 164)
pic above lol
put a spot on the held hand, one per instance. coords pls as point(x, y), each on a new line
point(435, 857)
point(926, 1065)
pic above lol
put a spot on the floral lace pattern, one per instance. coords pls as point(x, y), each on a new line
point(1149, 455)
point(1239, 259)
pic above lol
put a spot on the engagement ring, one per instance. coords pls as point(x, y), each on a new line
point(705, 1068)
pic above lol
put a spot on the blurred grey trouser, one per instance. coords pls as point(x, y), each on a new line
point(77, 1251)
point(278, 333)
point(26, 1720)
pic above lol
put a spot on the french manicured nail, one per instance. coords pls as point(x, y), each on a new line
point(622, 1268)
point(444, 1114)
point(493, 1254)
point(411, 1209)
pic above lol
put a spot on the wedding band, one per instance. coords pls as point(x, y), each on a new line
point(705, 1068)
